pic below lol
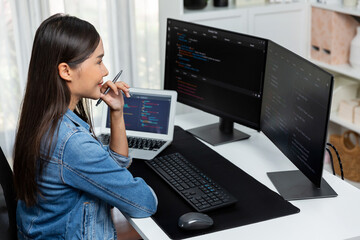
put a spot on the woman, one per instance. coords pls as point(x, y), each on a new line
point(66, 181)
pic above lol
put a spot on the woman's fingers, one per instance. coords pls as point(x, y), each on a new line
point(123, 87)
point(115, 87)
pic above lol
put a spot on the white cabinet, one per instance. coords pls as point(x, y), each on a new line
point(235, 24)
point(344, 69)
point(284, 24)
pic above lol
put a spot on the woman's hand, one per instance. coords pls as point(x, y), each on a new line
point(114, 98)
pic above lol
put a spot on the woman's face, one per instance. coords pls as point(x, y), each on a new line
point(89, 77)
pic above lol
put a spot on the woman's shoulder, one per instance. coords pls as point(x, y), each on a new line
point(71, 123)
point(68, 133)
point(68, 128)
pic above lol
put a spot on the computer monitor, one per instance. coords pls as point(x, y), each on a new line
point(219, 72)
point(294, 116)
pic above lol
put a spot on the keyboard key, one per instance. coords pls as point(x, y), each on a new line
point(136, 142)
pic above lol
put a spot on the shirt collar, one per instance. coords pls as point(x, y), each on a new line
point(76, 119)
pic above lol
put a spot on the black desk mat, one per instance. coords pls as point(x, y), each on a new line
point(255, 201)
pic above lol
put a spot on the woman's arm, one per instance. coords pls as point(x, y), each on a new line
point(88, 167)
point(115, 100)
point(118, 139)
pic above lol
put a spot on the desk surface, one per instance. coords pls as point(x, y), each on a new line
point(329, 218)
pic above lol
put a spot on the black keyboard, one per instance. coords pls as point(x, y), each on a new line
point(145, 143)
point(136, 142)
point(195, 187)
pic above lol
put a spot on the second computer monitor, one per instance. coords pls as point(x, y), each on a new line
point(295, 114)
point(219, 72)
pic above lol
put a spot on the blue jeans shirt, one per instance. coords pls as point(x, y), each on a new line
point(79, 184)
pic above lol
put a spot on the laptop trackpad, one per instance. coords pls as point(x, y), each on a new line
point(142, 154)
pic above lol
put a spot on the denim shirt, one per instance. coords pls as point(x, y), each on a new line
point(78, 186)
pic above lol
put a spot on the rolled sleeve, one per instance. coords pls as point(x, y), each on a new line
point(154, 194)
point(122, 160)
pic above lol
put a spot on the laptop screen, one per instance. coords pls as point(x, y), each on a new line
point(146, 113)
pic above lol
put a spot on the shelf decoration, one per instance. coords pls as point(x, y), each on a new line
point(221, 3)
point(241, 3)
point(349, 151)
point(355, 50)
point(331, 35)
point(195, 4)
point(349, 3)
point(347, 109)
point(344, 89)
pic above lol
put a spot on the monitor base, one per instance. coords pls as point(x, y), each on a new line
point(213, 134)
point(293, 185)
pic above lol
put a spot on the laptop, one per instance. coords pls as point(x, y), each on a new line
point(149, 120)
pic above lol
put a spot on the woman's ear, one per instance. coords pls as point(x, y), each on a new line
point(65, 71)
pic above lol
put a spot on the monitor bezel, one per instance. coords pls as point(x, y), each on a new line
point(316, 180)
point(202, 107)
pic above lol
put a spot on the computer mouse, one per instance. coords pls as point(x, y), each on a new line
point(195, 221)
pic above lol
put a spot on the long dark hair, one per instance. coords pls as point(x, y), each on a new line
point(60, 38)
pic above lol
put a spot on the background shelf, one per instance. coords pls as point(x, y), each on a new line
point(344, 69)
point(336, 119)
point(337, 7)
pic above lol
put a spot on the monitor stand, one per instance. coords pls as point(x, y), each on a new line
point(293, 185)
point(219, 133)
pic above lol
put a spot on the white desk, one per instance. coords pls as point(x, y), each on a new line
point(329, 218)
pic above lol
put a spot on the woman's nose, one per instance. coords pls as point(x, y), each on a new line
point(106, 72)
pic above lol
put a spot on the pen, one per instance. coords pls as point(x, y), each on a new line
point(107, 90)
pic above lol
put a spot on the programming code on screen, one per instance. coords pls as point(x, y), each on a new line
point(210, 68)
point(295, 108)
point(146, 113)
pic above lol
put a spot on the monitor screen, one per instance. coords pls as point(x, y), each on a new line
point(295, 109)
point(217, 71)
point(146, 113)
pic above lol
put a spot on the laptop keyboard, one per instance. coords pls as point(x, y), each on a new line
point(145, 143)
point(136, 142)
point(194, 186)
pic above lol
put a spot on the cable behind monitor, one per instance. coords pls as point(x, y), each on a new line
point(338, 157)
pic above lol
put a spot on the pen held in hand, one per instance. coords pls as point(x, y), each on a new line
point(107, 90)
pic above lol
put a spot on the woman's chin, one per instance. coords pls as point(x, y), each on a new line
point(97, 96)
